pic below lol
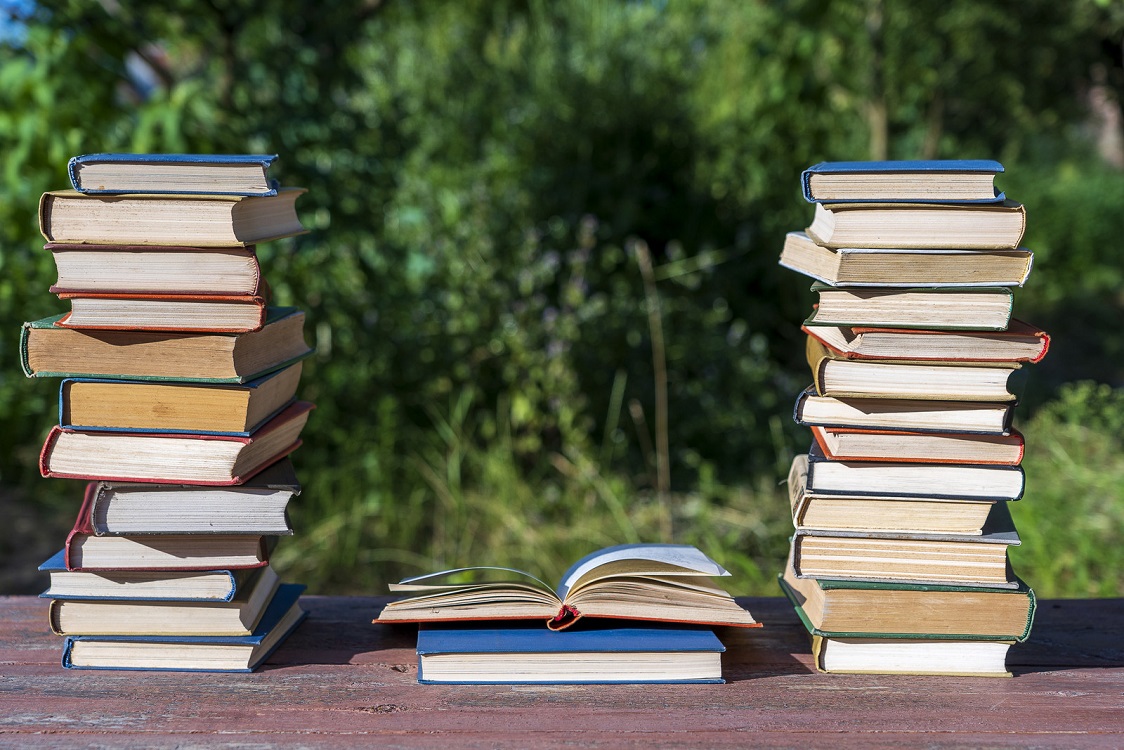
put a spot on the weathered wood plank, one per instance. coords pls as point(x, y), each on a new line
point(340, 677)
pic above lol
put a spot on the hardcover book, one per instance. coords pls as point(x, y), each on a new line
point(148, 585)
point(1019, 343)
point(196, 313)
point(50, 351)
point(910, 657)
point(933, 381)
point(909, 415)
point(138, 617)
point(913, 267)
point(998, 226)
point(968, 481)
point(953, 559)
point(858, 444)
point(137, 509)
point(155, 270)
point(202, 408)
point(191, 653)
point(662, 582)
point(893, 513)
point(177, 174)
point(977, 308)
point(481, 654)
point(835, 608)
point(70, 217)
point(919, 181)
point(176, 458)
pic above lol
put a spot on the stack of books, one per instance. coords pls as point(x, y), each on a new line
point(177, 404)
point(635, 613)
point(899, 560)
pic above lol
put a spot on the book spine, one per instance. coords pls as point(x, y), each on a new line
point(45, 202)
point(25, 357)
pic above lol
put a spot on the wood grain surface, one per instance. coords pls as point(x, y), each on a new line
point(340, 681)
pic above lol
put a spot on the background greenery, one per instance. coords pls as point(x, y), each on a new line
point(541, 276)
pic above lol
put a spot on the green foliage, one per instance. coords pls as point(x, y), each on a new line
point(480, 177)
point(1072, 518)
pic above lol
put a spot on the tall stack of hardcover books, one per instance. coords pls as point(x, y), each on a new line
point(899, 558)
point(178, 406)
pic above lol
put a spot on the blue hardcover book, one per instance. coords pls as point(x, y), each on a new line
point(111, 405)
point(191, 653)
point(146, 585)
point(173, 174)
point(587, 653)
point(924, 181)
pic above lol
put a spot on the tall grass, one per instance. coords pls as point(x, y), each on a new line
point(473, 503)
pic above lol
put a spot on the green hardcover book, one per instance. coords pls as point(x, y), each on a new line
point(862, 609)
point(51, 351)
point(986, 308)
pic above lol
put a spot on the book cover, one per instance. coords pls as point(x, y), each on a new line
point(520, 651)
point(115, 347)
point(215, 475)
point(136, 307)
point(76, 165)
point(943, 166)
point(275, 625)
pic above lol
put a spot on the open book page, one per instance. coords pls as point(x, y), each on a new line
point(477, 575)
point(638, 560)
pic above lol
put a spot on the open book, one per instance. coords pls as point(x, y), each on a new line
point(665, 582)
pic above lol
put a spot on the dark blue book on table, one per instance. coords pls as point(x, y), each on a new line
point(587, 653)
point(918, 181)
point(191, 653)
point(173, 174)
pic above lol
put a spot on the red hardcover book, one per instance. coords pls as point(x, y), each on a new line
point(1021, 342)
point(176, 458)
point(86, 551)
point(193, 313)
point(859, 444)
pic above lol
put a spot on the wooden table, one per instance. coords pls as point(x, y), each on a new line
point(340, 681)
